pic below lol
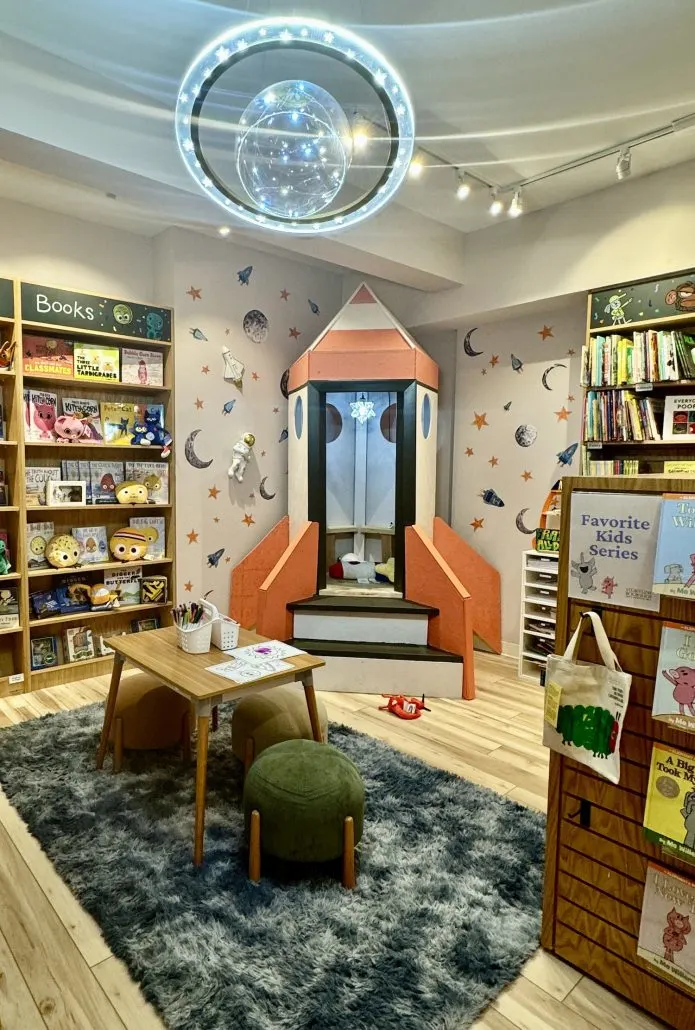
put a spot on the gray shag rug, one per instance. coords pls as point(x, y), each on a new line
point(446, 910)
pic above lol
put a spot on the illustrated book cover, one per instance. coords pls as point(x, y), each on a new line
point(154, 529)
point(679, 417)
point(40, 413)
point(674, 688)
point(44, 355)
point(78, 644)
point(35, 479)
point(86, 410)
point(669, 813)
point(98, 364)
point(44, 604)
point(73, 597)
point(674, 564)
point(667, 926)
point(38, 535)
point(94, 547)
point(155, 476)
point(104, 477)
point(44, 652)
point(126, 583)
point(9, 608)
point(117, 419)
point(154, 590)
point(142, 367)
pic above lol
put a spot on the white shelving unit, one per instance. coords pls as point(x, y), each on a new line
point(539, 575)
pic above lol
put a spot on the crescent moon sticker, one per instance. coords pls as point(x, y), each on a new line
point(520, 523)
point(189, 450)
point(263, 492)
point(544, 377)
point(467, 344)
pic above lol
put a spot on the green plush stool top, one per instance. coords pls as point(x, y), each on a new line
point(271, 717)
point(304, 791)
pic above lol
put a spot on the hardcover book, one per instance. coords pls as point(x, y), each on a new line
point(86, 410)
point(154, 529)
point(44, 652)
point(679, 417)
point(155, 476)
point(669, 814)
point(101, 648)
point(666, 936)
point(98, 364)
point(94, 547)
point(674, 565)
point(104, 476)
point(118, 419)
point(38, 535)
point(35, 479)
point(78, 643)
point(44, 355)
point(73, 597)
point(44, 603)
point(4, 489)
point(9, 608)
point(126, 583)
point(143, 367)
point(154, 589)
point(40, 412)
point(674, 688)
point(679, 468)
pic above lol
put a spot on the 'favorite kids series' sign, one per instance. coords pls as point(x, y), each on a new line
point(612, 548)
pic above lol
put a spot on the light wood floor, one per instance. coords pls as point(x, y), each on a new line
point(56, 972)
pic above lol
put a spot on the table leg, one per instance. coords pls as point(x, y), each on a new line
point(118, 663)
point(201, 775)
point(310, 695)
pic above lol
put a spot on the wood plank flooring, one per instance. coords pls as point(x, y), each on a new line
point(56, 972)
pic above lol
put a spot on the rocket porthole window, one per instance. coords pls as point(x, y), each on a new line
point(298, 417)
point(388, 423)
point(334, 423)
point(426, 416)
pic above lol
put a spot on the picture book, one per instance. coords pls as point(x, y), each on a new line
point(142, 625)
point(153, 528)
point(38, 535)
point(35, 479)
point(143, 367)
point(154, 589)
point(4, 489)
point(679, 468)
point(101, 648)
point(43, 355)
point(3, 424)
point(674, 565)
point(666, 933)
point(99, 364)
point(126, 583)
point(44, 652)
point(73, 597)
point(44, 603)
point(155, 476)
point(104, 476)
point(9, 608)
point(679, 417)
point(78, 644)
point(117, 419)
point(87, 411)
point(94, 547)
point(674, 689)
point(40, 412)
point(669, 814)
point(69, 470)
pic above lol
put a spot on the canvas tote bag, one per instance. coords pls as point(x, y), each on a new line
point(585, 704)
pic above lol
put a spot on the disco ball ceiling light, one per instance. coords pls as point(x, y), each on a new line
point(294, 143)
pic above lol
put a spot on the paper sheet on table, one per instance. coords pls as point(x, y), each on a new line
point(267, 651)
point(244, 672)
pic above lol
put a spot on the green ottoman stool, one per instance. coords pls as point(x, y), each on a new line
point(304, 802)
point(276, 715)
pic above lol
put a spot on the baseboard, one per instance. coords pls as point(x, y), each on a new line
point(509, 649)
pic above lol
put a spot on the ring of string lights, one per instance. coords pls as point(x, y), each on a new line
point(302, 34)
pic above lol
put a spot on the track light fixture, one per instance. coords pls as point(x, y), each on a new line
point(224, 230)
point(417, 166)
point(624, 165)
point(496, 205)
point(463, 187)
point(516, 207)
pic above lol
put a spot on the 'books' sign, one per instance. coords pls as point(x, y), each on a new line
point(70, 310)
point(6, 298)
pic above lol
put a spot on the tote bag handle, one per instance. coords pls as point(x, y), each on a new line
point(609, 659)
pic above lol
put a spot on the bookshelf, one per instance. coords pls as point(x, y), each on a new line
point(28, 309)
point(539, 575)
point(638, 378)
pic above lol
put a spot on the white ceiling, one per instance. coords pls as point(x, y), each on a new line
point(508, 88)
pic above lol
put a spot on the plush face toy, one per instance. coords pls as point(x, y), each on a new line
point(131, 492)
point(63, 552)
point(69, 428)
point(101, 597)
point(128, 545)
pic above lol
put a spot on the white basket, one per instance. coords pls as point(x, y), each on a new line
point(225, 631)
point(196, 639)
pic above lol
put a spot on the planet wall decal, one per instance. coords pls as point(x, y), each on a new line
point(526, 435)
point(256, 326)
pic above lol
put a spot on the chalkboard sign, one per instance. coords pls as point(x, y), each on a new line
point(6, 298)
point(646, 301)
point(105, 315)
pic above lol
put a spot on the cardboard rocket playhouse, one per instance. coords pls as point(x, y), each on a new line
point(362, 570)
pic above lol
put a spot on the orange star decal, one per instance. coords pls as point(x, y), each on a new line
point(188, 586)
point(494, 360)
point(545, 332)
point(295, 333)
point(493, 461)
point(284, 294)
point(469, 452)
point(479, 420)
point(526, 476)
point(248, 520)
point(477, 524)
point(198, 403)
point(194, 294)
point(563, 414)
point(255, 376)
point(205, 370)
point(192, 537)
point(213, 492)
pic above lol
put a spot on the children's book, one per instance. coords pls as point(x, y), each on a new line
point(154, 589)
point(4, 489)
point(35, 479)
point(104, 477)
point(99, 364)
point(674, 689)
point(153, 528)
point(144, 367)
point(40, 412)
point(669, 814)
point(679, 468)
point(674, 565)
point(3, 424)
point(143, 625)
point(94, 548)
point(679, 417)
point(44, 652)
point(667, 927)
point(155, 476)
point(73, 597)
point(86, 410)
point(101, 648)
point(9, 608)
point(126, 583)
point(38, 535)
point(44, 603)
point(117, 419)
point(43, 355)
point(78, 644)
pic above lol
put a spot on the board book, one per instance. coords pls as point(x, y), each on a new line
point(98, 364)
point(40, 413)
point(155, 476)
point(78, 644)
point(669, 813)
point(674, 565)
point(142, 367)
point(38, 535)
point(679, 417)
point(667, 924)
point(94, 548)
point(674, 689)
point(87, 410)
point(44, 355)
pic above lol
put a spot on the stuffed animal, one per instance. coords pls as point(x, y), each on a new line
point(352, 567)
point(102, 598)
point(128, 545)
point(241, 456)
point(385, 571)
point(63, 551)
point(155, 432)
point(5, 565)
point(140, 434)
point(131, 492)
point(68, 428)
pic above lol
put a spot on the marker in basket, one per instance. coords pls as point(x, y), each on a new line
point(188, 614)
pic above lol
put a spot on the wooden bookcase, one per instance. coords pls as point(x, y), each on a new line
point(596, 858)
point(646, 302)
point(16, 675)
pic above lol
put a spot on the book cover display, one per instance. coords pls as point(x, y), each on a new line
point(35, 479)
point(44, 355)
point(78, 644)
point(9, 608)
point(40, 413)
point(674, 689)
point(142, 367)
point(679, 417)
point(674, 567)
point(87, 411)
point(118, 419)
point(43, 652)
point(155, 476)
point(666, 937)
point(98, 364)
point(38, 535)
point(669, 814)
point(154, 529)
point(125, 583)
point(104, 476)
point(93, 544)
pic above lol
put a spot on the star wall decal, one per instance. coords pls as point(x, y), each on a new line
point(255, 376)
point(205, 370)
point(494, 360)
point(248, 520)
point(227, 332)
point(545, 332)
point(295, 333)
point(570, 398)
point(192, 537)
point(213, 492)
point(571, 353)
point(469, 452)
point(483, 371)
point(563, 414)
point(194, 293)
point(228, 559)
point(216, 518)
point(493, 461)
point(526, 476)
point(477, 524)
point(480, 420)
point(199, 403)
point(275, 412)
point(284, 294)
point(263, 454)
point(188, 586)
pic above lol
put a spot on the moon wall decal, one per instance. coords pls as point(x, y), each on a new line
point(467, 344)
point(520, 523)
point(189, 450)
point(263, 492)
point(544, 377)
point(525, 436)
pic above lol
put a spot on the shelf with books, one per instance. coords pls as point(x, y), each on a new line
point(56, 380)
point(97, 567)
point(6, 630)
point(667, 384)
point(143, 453)
point(113, 613)
point(99, 661)
point(43, 509)
point(109, 339)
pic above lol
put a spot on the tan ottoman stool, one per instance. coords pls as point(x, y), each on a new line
point(276, 715)
point(149, 717)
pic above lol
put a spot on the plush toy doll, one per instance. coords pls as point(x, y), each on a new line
point(351, 567)
point(241, 452)
point(5, 565)
point(128, 545)
point(102, 598)
point(156, 434)
point(385, 572)
point(63, 551)
point(131, 492)
point(70, 429)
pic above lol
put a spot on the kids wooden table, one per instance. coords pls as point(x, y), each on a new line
point(156, 653)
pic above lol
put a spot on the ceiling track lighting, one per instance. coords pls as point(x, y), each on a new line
point(624, 164)
point(463, 186)
point(224, 230)
point(496, 206)
point(516, 207)
point(417, 167)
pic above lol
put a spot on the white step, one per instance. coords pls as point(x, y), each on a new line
point(366, 627)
